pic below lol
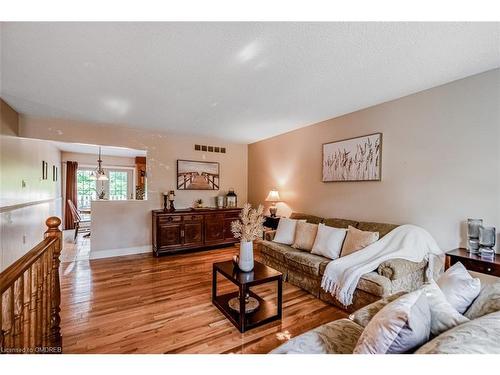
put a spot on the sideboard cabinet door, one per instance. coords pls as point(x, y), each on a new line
point(193, 233)
point(214, 228)
point(169, 235)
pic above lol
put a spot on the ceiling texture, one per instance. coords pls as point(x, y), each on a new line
point(240, 82)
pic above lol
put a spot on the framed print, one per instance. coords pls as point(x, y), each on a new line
point(45, 170)
point(353, 159)
point(197, 175)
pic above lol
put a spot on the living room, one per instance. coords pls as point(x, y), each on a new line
point(250, 188)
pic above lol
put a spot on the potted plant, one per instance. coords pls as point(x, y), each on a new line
point(247, 229)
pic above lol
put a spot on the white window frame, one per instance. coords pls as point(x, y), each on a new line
point(131, 182)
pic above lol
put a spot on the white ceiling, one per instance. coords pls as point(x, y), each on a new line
point(83, 148)
point(238, 81)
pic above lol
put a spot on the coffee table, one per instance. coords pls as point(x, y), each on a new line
point(268, 311)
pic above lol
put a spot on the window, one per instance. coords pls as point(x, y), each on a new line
point(85, 187)
point(118, 185)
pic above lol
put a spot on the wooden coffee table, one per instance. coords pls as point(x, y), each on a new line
point(268, 311)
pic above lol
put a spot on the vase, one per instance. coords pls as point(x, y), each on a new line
point(245, 261)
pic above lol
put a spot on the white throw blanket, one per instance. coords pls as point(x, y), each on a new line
point(408, 242)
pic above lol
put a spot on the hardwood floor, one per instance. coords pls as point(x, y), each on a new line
point(143, 304)
point(79, 250)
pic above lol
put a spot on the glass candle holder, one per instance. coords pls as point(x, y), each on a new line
point(473, 227)
point(473, 235)
point(487, 240)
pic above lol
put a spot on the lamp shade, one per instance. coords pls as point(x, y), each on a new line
point(273, 196)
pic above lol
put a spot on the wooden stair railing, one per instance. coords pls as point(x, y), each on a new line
point(31, 296)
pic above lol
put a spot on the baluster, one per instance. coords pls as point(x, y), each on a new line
point(2, 338)
point(33, 322)
point(18, 293)
point(7, 301)
point(25, 322)
point(8, 317)
point(55, 319)
point(43, 293)
point(49, 293)
point(39, 322)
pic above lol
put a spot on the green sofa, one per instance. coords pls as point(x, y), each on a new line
point(305, 270)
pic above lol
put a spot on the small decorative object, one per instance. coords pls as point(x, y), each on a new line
point(197, 175)
point(473, 226)
point(140, 192)
point(251, 304)
point(54, 173)
point(165, 201)
point(273, 197)
point(247, 229)
point(219, 201)
point(198, 203)
point(353, 159)
point(231, 199)
point(171, 197)
point(487, 241)
point(102, 195)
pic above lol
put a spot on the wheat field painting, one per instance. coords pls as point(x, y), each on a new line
point(355, 159)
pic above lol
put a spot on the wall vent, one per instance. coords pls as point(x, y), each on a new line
point(205, 148)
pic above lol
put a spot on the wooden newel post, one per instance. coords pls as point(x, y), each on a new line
point(53, 231)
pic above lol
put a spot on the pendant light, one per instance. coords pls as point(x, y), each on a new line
point(99, 173)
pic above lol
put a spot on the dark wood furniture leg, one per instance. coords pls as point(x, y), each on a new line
point(280, 297)
point(77, 226)
point(243, 291)
point(214, 283)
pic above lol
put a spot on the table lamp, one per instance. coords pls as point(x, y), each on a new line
point(273, 197)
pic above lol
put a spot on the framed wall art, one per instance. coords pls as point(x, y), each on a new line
point(197, 175)
point(45, 170)
point(353, 159)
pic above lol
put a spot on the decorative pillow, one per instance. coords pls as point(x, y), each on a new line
point(443, 314)
point(479, 336)
point(328, 241)
point(356, 240)
point(285, 233)
point(487, 301)
point(400, 327)
point(305, 233)
point(459, 287)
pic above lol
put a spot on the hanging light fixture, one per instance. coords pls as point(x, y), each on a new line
point(99, 173)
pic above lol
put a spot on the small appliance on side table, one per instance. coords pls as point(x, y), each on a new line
point(265, 312)
point(474, 262)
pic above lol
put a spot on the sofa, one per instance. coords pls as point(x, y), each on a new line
point(479, 335)
point(305, 270)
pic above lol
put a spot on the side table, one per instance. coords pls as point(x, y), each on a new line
point(473, 262)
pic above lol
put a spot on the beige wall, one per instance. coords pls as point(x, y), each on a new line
point(124, 225)
point(24, 208)
point(440, 162)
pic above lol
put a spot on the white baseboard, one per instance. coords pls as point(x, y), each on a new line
point(99, 254)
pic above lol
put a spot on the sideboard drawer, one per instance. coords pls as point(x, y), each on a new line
point(193, 218)
point(477, 266)
point(232, 215)
point(165, 219)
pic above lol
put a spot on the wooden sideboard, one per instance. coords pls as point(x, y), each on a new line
point(192, 229)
